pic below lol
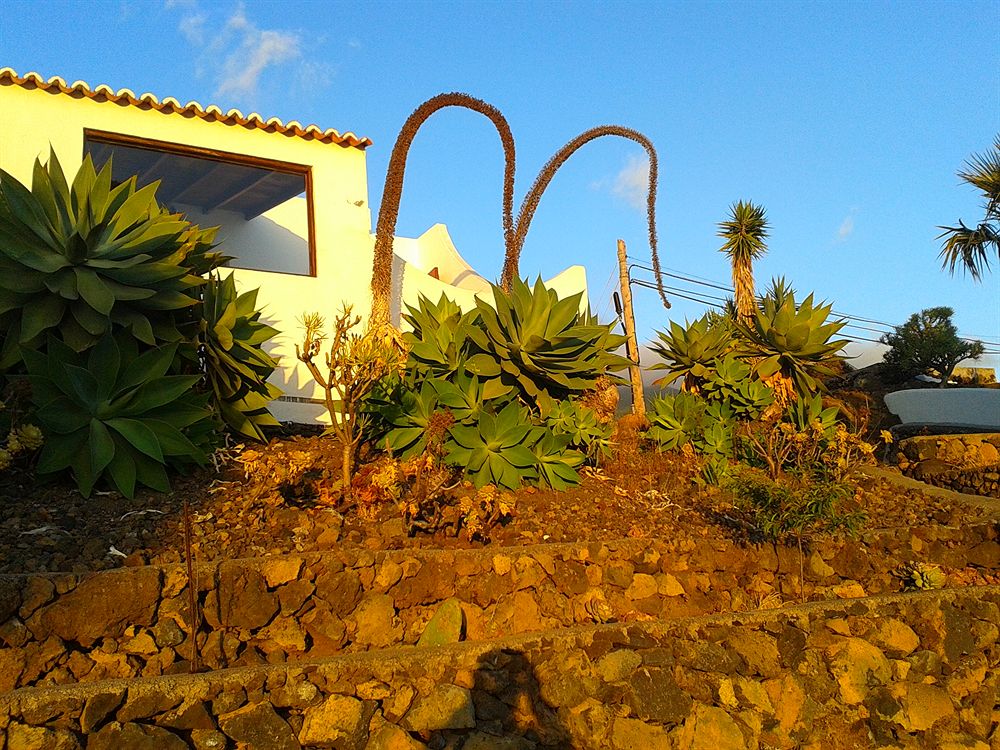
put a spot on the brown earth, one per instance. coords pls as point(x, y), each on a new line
point(249, 508)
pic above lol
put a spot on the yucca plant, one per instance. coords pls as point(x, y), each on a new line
point(495, 450)
point(689, 351)
point(236, 367)
point(116, 413)
point(793, 340)
point(540, 347)
point(78, 259)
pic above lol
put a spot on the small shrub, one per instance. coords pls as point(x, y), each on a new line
point(354, 365)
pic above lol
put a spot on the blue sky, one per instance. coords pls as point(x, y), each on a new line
point(846, 120)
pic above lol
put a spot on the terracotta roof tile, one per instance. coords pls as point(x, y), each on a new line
point(169, 105)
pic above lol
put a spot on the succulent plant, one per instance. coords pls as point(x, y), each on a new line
point(586, 432)
point(77, 259)
point(539, 347)
point(729, 381)
point(556, 462)
point(439, 340)
point(116, 412)
point(494, 451)
point(236, 367)
point(406, 413)
point(918, 576)
point(675, 420)
point(691, 350)
point(804, 413)
point(793, 339)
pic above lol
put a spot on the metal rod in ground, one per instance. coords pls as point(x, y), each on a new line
point(631, 344)
point(192, 589)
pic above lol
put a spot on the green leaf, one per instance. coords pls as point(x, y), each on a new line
point(139, 435)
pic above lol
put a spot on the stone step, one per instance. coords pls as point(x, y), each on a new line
point(917, 669)
point(62, 628)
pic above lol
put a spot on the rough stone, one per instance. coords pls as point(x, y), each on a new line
point(337, 720)
point(244, 601)
point(446, 625)
point(710, 728)
point(377, 624)
point(104, 605)
point(921, 706)
point(632, 734)
point(208, 739)
point(279, 569)
point(447, 707)
point(618, 665)
point(895, 638)
point(643, 586)
point(259, 726)
point(655, 696)
point(758, 650)
point(668, 585)
point(857, 665)
point(132, 736)
point(21, 737)
point(98, 708)
point(391, 737)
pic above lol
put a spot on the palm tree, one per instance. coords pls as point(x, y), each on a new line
point(744, 234)
point(970, 248)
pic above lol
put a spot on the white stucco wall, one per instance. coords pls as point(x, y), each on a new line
point(33, 121)
point(969, 406)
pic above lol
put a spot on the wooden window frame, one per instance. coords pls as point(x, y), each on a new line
point(225, 157)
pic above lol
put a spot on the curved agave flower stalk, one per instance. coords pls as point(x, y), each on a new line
point(388, 213)
point(530, 204)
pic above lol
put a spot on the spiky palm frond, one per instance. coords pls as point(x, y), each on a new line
point(743, 237)
point(971, 248)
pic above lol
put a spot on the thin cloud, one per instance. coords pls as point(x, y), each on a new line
point(257, 51)
point(632, 183)
point(846, 228)
point(240, 54)
point(193, 28)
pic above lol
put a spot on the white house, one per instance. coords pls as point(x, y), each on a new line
point(291, 202)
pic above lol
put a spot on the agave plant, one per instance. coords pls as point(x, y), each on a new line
point(690, 350)
point(794, 340)
point(675, 420)
point(806, 413)
point(494, 450)
point(729, 382)
point(116, 413)
point(77, 259)
point(236, 367)
point(556, 462)
point(405, 413)
point(540, 347)
point(439, 340)
point(586, 432)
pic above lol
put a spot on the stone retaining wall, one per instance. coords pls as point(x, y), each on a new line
point(904, 671)
point(63, 628)
point(965, 463)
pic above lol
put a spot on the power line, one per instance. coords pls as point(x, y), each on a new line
point(691, 279)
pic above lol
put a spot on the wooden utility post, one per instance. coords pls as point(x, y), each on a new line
point(631, 344)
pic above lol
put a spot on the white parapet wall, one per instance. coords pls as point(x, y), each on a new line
point(976, 407)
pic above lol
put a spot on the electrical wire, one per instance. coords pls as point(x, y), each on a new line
point(888, 327)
